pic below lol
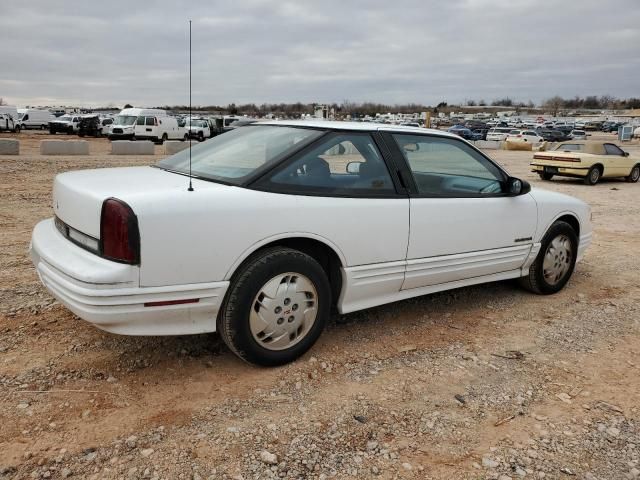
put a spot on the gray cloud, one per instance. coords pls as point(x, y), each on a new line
point(90, 53)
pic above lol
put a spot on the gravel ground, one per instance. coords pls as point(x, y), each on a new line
point(486, 382)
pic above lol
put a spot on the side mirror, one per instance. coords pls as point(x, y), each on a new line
point(353, 167)
point(626, 154)
point(516, 187)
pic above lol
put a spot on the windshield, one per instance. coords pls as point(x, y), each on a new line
point(125, 120)
point(197, 123)
point(64, 118)
point(235, 155)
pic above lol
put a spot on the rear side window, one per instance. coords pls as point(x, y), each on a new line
point(612, 149)
point(151, 121)
point(140, 121)
point(343, 164)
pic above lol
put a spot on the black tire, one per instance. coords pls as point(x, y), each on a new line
point(185, 138)
point(634, 175)
point(535, 281)
point(233, 319)
point(164, 138)
point(593, 176)
point(52, 132)
point(200, 137)
point(545, 175)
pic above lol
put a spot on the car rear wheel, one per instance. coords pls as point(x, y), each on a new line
point(593, 176)
point(276, 307)
point(545, 175)
point(634, 176)
point(555, 262)
point(164, 138)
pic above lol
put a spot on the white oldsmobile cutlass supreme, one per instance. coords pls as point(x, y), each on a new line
point(287, 220)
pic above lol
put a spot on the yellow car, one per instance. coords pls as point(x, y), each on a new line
point(588, 160)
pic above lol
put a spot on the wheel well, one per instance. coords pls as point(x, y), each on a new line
point(600, 167)
point(573, 221)
point(322, 253)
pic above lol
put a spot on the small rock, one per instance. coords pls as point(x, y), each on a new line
point(613, 432)
point(489, 463)
point(131, 442)
point(112, 379)
point(23, 405)
point(407, 466)
point(66, 473)
point(146, 452)
point(565, 397)
point(268, 458)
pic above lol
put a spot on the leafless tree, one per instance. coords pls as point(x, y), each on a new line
point(554, 104)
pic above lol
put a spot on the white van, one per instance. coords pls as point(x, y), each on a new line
point(34, 118)
point(146, 124)
point(9, 119)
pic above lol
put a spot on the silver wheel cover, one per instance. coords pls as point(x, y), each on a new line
point(283, 311)
point(557, 259)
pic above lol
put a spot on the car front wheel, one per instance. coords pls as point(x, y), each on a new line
point(555, 262)
point(634, 175)
point(276, 307)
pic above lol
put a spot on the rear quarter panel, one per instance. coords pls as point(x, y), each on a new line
point(201, 236)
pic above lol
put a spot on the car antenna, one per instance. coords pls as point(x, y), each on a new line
point(190, 189)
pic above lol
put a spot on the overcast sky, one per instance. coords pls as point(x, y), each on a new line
point(87, 53)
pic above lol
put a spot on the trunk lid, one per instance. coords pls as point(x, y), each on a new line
point(78, 195)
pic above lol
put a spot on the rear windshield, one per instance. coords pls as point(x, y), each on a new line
point(570, 147)
point(233, 156)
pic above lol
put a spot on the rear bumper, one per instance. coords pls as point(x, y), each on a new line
point(561, 170)
point(107, 294)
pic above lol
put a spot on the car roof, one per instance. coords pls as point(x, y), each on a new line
point(358, 126)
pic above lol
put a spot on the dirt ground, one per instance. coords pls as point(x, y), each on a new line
point(482, 382)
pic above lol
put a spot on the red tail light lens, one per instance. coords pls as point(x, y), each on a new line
point(119, 235)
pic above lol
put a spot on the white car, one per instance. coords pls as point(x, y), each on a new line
point(498, 134)
point(578, 135)
point(524, 136)
point(280, 222)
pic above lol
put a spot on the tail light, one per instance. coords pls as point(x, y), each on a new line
point(119, 234)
